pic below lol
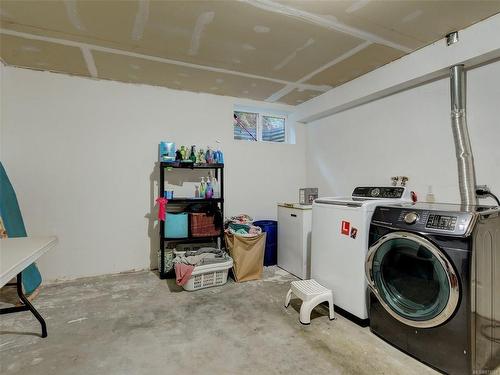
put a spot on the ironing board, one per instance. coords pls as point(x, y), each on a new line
point(14, 224)
point(15, 255)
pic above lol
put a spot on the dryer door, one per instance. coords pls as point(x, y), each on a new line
point(412, 279)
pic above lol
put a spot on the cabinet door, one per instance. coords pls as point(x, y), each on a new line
point(290, 255)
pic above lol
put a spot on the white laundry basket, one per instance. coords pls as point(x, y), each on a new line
point(208, 275)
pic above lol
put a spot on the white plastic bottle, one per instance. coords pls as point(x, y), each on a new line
point(215, 187)
point(430, 198)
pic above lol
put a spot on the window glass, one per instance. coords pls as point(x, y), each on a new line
point(245, 125)
point(273, 129)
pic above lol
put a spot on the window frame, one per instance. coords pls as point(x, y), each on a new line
point(260, 120)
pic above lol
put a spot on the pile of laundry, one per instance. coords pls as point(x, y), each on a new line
point(186, 261)
point(241, 225)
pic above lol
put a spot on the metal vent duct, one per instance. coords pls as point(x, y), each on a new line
point(465, 160)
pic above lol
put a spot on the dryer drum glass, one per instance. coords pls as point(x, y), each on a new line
point(410, 279)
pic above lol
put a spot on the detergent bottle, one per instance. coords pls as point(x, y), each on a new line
point(209, 191)
point(203, 187)
point(215, 188)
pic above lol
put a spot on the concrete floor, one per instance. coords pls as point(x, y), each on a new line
point(138, 324)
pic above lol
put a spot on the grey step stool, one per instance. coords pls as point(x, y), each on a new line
point(312, 294)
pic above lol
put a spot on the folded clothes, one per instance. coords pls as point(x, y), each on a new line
point(197, 260)
point(215, 260)
point(255, 230)
point(240, 219)
point(205, 255)
point(246, 230)
point(203, 250)
point(241, 225)
point(236, 226)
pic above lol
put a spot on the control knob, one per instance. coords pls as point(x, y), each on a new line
point(411, 218)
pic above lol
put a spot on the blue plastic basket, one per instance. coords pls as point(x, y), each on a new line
point(176, 225)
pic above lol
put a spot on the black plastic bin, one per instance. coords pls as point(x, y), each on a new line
point(271, 229)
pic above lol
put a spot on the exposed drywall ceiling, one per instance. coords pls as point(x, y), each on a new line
point(274, 50)
point(298, 96)
point(42, 55)
point(136, 70)
point(363, 61)
point(407, 22)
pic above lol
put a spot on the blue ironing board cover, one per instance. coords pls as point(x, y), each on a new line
point(14, 225)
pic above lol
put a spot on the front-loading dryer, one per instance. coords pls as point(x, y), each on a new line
point(434, 275)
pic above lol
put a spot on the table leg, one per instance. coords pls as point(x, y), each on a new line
point(27, 306)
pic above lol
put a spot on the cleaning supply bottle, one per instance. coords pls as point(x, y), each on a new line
point(203, 187)
point(215, 188)
point(196, 191)
point(209, 191)
point(430, 195)
point(192, 156)
point(209, 155)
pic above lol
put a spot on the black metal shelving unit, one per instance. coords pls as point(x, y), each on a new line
point(219, 174)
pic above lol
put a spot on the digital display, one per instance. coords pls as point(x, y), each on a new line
point(441, 222)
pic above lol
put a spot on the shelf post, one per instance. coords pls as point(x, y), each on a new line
point(162, 224)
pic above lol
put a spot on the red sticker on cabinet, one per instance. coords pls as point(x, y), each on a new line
point(345, 229)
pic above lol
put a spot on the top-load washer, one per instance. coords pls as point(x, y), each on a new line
point(339, 244)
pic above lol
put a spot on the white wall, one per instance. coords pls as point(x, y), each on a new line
point(408, 133)
point(81, 154)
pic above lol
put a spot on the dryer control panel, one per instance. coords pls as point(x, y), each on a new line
point(444, 222)
point(420, 219)
point(378, 192)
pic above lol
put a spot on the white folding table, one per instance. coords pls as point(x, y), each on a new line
point(15, 255)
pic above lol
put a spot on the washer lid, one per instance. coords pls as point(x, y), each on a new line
point(354, 201)
point(368, 196)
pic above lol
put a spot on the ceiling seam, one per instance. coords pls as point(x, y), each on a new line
point(337, 60)
point(89, 60)
point(286, 10)
point(287, 89)
point(279, 94)
point(293, 55)
point(141, 18)
point(357, 5)
point(72, 13)
point(202, 22)
point(322, 88)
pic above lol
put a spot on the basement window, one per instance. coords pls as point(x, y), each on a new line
point(259, 126)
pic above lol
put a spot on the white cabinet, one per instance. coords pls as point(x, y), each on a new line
point(294, 239)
